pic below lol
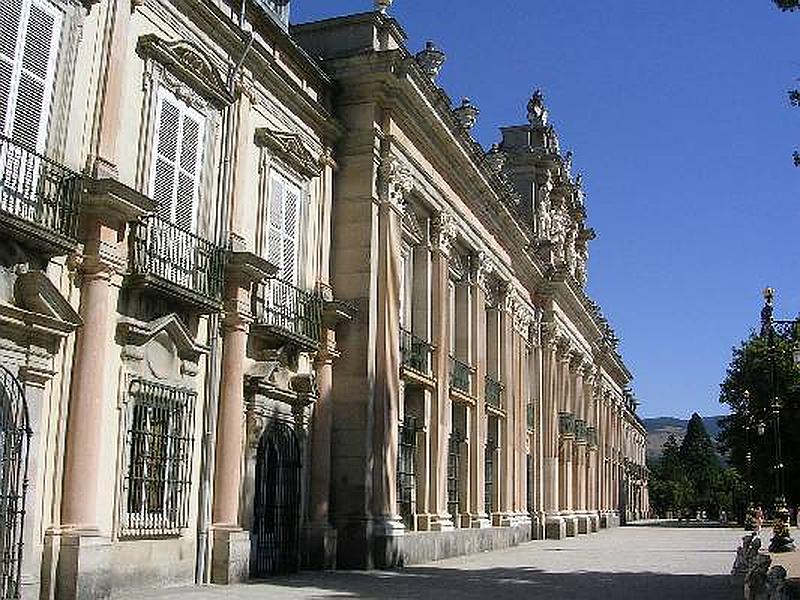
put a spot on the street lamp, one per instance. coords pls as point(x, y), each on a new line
point(781, 539)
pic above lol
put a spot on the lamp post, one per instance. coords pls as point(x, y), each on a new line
point(781, 539)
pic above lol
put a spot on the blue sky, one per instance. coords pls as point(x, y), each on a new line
point(678, 117)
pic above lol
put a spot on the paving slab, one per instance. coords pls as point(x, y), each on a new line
point(652, 562)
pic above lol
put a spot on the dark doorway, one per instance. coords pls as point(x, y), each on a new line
point(15, 436)
point(276, 523)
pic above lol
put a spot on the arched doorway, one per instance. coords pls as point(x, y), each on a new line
point(276, 523)
point(15, 436)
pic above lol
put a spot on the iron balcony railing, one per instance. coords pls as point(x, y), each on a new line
point(566, 424)
point(530, 417)
point(460, 376)
point(580, 430)
point(415, 352)
point(288, 310)
point(163, 252)
point(493, 391)
point(35, 190)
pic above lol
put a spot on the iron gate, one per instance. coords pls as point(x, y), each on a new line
point(453, 474)
point(407, 470)
point(15, 436)
point(276, 523)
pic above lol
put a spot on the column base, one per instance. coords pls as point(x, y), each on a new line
point(538, 526)
point(230, 556)
point(320, 547)
point(555, 528)
point(480, 521)
point(387, 552)
point(442, 523)
point(571, 522)
point(594, 523)
point(502, 519)
point(83, 565)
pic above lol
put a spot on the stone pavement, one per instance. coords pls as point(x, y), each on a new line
point(639, 562)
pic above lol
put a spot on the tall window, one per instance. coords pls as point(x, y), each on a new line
point(283, 226)
point(29, 37)
point(159, 458)
point(177, 160)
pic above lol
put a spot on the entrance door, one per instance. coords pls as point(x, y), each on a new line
point(14, 446)
point(276, 523)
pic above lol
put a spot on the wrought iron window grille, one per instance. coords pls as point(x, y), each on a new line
point(454, 473)
point(566, 424)
point(37, 190)
point(530, 417)
point(407, 470)
point(287, 309)
point(591, 437)
point(177, 256)
point(488, 470)
point(159, 447)
point(580, 430)
point(15, 434)
point(415, 352)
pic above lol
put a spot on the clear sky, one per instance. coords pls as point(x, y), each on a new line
point(678, 116)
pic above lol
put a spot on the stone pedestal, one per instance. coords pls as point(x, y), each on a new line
point(555, 528)
point(320, 547)
point(230, 562)
point(84, 567)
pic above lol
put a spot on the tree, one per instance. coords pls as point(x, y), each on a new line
point(700, 462)
point(754, 368)
point(787, 4)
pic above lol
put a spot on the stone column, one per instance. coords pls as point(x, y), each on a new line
point(506, 472)
point(422, 509)
point(480, 267)
point(395, 180)
point(110, 90)
point(580, 474)
point(554, 523)
point(443, 234)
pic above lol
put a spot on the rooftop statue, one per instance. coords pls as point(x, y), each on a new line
point(537, 112)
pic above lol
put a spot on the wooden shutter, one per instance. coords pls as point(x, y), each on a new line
point(284, 223)
point(177, 160)
point(290, 227)
point(30, 31)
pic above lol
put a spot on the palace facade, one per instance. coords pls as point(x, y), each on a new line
point(265, 304)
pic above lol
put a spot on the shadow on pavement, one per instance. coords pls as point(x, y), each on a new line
point(499, 584)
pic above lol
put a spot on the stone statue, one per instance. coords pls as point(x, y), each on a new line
point(537, 112)
point(544, 218)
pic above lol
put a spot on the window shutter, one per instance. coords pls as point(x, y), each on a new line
point(31, 30)
point(291, 214)
point(275, 227)
point(282, 231)
point(177, 160)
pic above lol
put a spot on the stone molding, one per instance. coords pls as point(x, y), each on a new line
point(289, 147)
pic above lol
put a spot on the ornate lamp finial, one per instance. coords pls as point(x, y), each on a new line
point(383, 5)
point(766, 311)
point(430, 59)
point(537, 112)
point(466, 114)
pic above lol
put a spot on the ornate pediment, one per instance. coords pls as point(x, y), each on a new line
point(189, 63)
point(34, 292)
point(289, 147)
point(132, 332)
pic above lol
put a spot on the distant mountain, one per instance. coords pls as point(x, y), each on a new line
point(659, 428)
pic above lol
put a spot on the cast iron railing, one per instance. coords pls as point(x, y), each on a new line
point(37, 190)
point(566, 424)
point(580, 430)
point(415, 352)
point(460, 376)
point(163, 250)
point(530, 416)
point(407, 470)
point(281, 305)
point(493, 391)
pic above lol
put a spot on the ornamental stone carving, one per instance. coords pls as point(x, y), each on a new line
point(496, 159)
point(482, 269)
point(383, 5)
point(524, 317)
point(443, 231)
point(430, 59)
point(466, 114)
point(395, 181)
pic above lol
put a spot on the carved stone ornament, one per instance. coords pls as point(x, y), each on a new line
point(430, 59)
point(495, 158)
point(443, 231)
point(383, 5)
point(537, 112)
point(466, 114)
point(395, 181)
point(289, 147)
point(524, 316)
point(482, 269)
point(189, 63)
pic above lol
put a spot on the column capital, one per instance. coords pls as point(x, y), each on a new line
point(443, 232)
point(395, 180)
point(481, 268)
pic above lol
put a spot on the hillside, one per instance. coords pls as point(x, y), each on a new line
point(659, 428)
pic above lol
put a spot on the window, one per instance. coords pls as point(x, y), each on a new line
point(283, 225)
point(177, 161)
point(29, 37)
point(159, 457)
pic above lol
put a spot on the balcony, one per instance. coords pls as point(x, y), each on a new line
point(285, 314)
point(415, 353)
point(460, 376)
point(176, 263)
point(493, 391)
point(39, 198)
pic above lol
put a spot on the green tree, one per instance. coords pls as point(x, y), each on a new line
point(670, 488)
point(700, 463)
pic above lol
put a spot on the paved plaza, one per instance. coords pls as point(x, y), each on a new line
point(640, 562)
